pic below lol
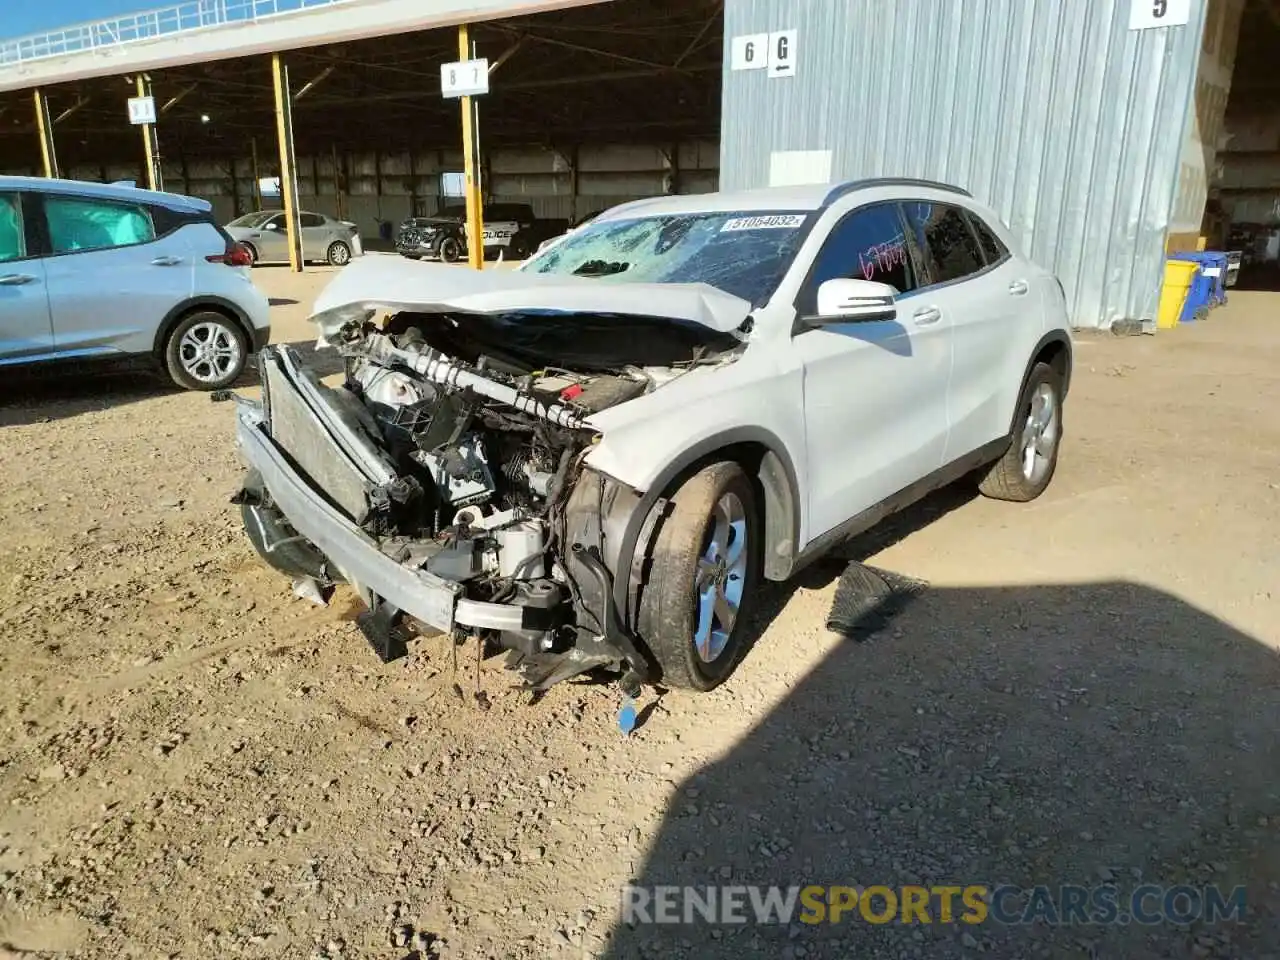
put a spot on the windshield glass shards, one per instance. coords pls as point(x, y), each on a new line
point(744, 254)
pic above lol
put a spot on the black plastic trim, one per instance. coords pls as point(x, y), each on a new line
point(908, 495)
point(851, 186)
point(698, 452)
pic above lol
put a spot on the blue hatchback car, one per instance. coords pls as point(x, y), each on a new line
point(98, 271)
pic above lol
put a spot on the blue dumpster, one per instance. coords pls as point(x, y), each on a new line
point(1199, 294)
point(1213, 266)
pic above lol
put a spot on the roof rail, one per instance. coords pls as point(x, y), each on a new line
point(866, 184)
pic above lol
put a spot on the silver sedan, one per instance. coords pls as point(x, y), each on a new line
point(323, 238)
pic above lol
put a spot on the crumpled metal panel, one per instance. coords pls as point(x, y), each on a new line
point(1066, 122)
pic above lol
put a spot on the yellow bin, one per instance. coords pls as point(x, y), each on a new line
point(1178, 275)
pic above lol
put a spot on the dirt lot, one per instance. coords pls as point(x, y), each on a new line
point(193, 763)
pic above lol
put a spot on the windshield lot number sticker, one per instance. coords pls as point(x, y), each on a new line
point(780, 222)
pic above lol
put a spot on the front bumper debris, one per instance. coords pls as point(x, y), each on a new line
point(320, 442)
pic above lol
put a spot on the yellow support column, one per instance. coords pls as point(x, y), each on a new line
point(288, 161)
point(44, 126)
point(148, 138)
point(475, 218)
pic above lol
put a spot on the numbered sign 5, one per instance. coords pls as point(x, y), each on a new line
point(782, 53)
point(750, 52)
point(1146, 14)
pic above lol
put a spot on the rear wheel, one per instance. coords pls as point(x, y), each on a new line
point(1026, 468)
point(702, 580)
point(206, 351)
point(253, 253)
point(339, 254)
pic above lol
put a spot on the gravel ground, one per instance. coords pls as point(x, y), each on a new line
point(193, 763)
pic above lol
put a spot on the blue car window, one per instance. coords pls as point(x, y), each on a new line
point(12, 243)
point(77, 224)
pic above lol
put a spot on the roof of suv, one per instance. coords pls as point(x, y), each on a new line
point(105, 191)
point(806, 197)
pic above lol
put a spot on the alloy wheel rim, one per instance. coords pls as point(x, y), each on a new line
point(209, 352)
point(1040, 433)
point(721, 578)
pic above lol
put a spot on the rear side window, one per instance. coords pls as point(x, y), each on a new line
point(78, 224)
point(312, 220)
point(868, 244)
point(951, 251)
point(992, 249)
point(13, 244)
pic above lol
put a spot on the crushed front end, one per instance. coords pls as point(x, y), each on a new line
point(444, 481)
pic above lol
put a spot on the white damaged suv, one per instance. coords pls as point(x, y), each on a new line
point(592, 461)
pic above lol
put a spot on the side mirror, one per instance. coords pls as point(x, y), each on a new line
point(854, 301)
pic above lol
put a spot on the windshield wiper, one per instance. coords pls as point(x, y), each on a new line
point(599, 268)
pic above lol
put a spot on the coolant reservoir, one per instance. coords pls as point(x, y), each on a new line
point(520, 550)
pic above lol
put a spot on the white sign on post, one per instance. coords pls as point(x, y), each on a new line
point(464, 78)
point(1146, 14)
point(782, 53)
point(750, 52)
point(142, 110)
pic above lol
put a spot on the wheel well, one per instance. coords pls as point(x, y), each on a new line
point(774, 483)
point(181, 313)
point(252, 248)
point(1057, 355)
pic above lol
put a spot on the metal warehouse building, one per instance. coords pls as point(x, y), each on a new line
point(1105, 132)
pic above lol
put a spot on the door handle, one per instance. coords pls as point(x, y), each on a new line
point(926, 315)
point(16, 279)
point(166, 261)
point(1018, 287)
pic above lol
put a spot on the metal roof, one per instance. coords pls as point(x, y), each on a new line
point(200, 31)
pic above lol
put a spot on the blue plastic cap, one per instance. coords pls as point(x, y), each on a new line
point(627, 718)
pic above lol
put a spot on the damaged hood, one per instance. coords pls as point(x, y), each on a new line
point(395, 284)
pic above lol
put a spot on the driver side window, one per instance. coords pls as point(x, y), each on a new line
point(12, 241)
point(868, 244)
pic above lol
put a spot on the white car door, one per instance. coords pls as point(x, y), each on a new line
point(987, 300)
point(111, 280)
point(875, 393)
point(25, 330)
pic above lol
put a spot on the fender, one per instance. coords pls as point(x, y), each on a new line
point(1054, 338)
point(777, 476)
point(221, 305)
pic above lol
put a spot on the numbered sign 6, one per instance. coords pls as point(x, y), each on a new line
point(750, 52)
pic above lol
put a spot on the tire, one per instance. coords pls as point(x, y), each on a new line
point(449, 250)
point(708, 505)
point(1009, 477)
point(194, 366)
point(338, 254)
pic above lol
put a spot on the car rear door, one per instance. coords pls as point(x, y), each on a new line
point(874, 392)
point(112, 280)
point(983, 296)
point(316, 236)
point(26, 330)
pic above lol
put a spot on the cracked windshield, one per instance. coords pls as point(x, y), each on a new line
point(745, 254)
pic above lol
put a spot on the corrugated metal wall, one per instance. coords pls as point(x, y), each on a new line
point(1057, 115)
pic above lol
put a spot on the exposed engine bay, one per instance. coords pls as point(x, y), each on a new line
point(457, 448)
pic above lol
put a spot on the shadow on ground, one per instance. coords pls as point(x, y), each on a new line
point(57, 392)
point(1092, 734)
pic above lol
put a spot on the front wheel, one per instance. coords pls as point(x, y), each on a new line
point(339, 254)
point(702, 579)
point(1026, 468)
point(449, 250)
point(206, 351)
